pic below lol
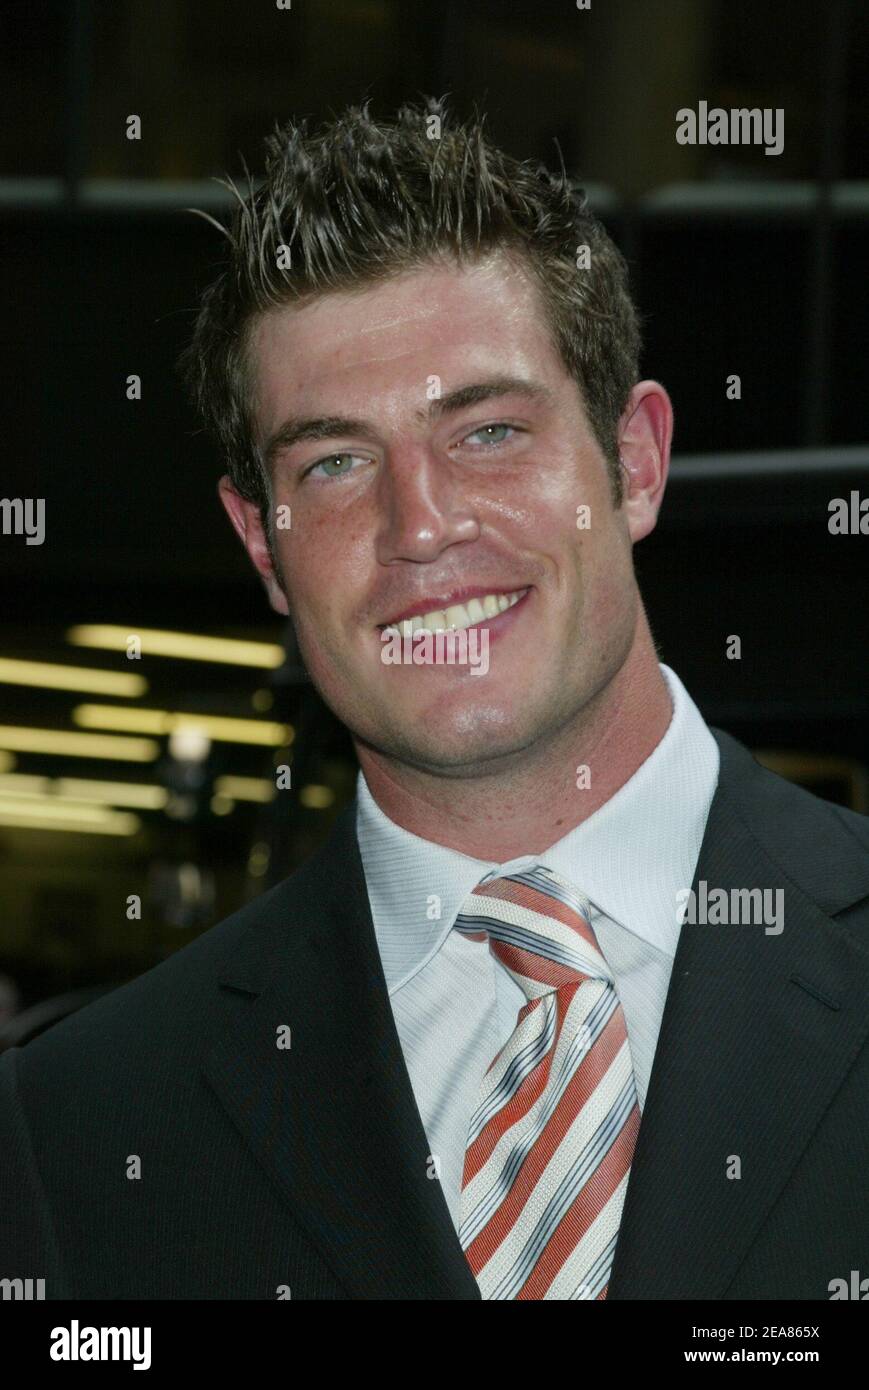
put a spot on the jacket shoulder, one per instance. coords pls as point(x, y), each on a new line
point(171, 1009)
point(822, 846)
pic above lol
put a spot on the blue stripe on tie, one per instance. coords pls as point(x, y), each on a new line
point(597, 1275)
point(536, 944)
point(541, 879)
point(595, 1022)
point(568, 1190)
point(524, 1062)
point(576, 1178)
point(583, 1042)
point(585, 1165)
point(503, 1181)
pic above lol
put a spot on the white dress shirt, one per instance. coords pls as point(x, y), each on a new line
point(454, 1005)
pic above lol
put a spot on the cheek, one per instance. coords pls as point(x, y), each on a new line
point(324, 574)
point(608, 587)
point(313, 549)
point(601, 568)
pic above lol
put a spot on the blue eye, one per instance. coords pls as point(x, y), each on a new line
point(487, 430)
point(327, 465)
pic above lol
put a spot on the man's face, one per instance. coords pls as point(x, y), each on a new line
point(423, 499)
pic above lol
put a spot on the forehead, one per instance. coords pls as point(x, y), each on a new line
point(386, 340)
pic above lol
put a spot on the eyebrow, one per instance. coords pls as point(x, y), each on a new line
point(296, 430)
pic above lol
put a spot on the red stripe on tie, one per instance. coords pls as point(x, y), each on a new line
point(580, 1088)
point(535, 901)
point(588, 1205)
point(519, 1104)
point(534, 966)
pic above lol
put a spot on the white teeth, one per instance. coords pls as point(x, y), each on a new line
point(435, 622)
point(459, 615)
point(456, 616)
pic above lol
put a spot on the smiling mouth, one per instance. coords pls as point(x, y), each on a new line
point(458, 615)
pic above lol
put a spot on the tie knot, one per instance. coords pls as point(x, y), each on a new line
point(537, 925)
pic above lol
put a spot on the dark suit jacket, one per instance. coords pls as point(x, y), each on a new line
point(265, 1167)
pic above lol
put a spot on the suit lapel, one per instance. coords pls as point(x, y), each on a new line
point(757, 1035)
point(333, 1119)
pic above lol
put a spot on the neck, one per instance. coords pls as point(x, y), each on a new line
point(529, 806)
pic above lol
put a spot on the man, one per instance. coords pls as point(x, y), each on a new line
point(492, 1041)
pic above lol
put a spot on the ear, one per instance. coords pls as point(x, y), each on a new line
point(247, 522)
point(645, 434)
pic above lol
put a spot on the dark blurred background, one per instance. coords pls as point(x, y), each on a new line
point(114, 853)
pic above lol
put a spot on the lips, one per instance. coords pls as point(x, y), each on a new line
point(460, 610)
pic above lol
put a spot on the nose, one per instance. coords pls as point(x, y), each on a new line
point(422, 507)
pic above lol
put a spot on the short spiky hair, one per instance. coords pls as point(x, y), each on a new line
point(361, 200)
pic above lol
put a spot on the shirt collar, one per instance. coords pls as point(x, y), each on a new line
point(629, 858)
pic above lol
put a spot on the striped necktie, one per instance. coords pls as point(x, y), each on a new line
point(552, 1138)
